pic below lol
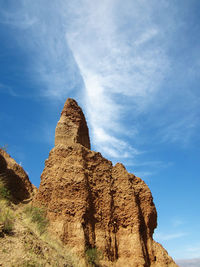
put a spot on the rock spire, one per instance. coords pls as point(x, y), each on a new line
point(72, 127)
point(93, 204)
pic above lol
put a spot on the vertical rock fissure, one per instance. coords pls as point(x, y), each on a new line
point(89, 220)
point(83, 134)
point(112, 244)
point(143, 233)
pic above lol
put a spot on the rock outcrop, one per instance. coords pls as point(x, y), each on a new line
point(15, 178)
point(72, 127)
point(93, 204)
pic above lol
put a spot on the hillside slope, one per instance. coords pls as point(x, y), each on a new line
point(24, 245)
point(24, 237)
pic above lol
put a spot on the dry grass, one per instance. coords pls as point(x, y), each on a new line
point(6, 220)
point(29, 248)
point(6, 213)
point(30, 245)
point(37, 216)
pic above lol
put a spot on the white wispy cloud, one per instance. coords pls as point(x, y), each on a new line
point(180, 130)
point(195, 250)
point(122, 51)
point(176, 222)
point(39, 31)
point(144, 174)
point(7, 90)
point(118, 64)
point(146, 36)
point(114, 57)
point(189, 256)
point(17, 19)
point(113, 146)
point(160, 237)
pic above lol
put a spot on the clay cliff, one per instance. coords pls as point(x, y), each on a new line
point(93, 204)
point(15, 178)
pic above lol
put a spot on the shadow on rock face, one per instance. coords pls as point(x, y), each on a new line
point(15, 180)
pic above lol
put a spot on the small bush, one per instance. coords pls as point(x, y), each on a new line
point(6, 221)
point(38, 216)
point(93, 256)
point(4, 192)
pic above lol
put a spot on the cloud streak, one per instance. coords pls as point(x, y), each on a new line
point(39, 32)
point(122, 51)
point(7, 90)
point(118, 64)
point(114, 58)
point(161, 237)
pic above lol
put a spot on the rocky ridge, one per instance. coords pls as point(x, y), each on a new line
point(93, 204)
point(15, 178)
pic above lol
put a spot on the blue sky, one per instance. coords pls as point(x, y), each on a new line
point(133, 66)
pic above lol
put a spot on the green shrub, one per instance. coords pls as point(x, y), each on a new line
point(4, 192)
point(93, 256)
point(6, 220)
point(38, 216)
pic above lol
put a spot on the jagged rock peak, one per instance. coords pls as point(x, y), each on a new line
point(92, 204)
point(72, 126)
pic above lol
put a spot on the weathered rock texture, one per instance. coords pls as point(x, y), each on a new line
point(72, 127)
point(15, 178)
point(92, 203)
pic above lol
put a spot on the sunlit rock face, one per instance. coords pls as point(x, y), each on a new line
point(72, 127)
point(93, 204)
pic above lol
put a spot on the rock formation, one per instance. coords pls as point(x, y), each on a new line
point(72, 124)
point(15, 178)
point(93, 204)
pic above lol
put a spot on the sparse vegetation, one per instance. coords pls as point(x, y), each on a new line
point(24, 237)
point(4, 192)
point(27, 247)
point(4, 250)
point(30, 263)
point(6, 216)
point(6, 220)
point(93, 256)
point(38, 216)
